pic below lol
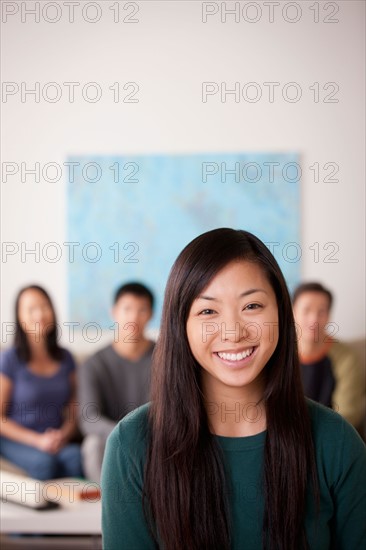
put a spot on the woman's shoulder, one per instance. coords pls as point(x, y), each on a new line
point(131, 433)
point(67, 360)
point(333, 435)
point(10, 362)
point(66, 354)
point(126, 446)
point(319, 413)
point(341, 464)
point(9, 354)
point(326, 421)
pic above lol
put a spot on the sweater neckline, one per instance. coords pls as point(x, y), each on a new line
point(241, 443)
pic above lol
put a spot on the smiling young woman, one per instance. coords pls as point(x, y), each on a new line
point(230, 454)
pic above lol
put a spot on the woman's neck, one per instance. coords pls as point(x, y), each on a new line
point(235, 412)
point(38, 348)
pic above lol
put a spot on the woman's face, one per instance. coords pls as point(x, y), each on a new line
point(35, 313)
point(232, 326)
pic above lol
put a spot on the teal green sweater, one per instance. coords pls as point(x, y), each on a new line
point(341, 464)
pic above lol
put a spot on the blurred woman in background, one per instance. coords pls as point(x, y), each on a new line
point(37, 397)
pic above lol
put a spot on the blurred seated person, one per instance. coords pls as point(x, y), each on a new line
point(331, 371)
point(37, 397)
point(116, 380)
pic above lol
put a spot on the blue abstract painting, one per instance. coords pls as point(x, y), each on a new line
point(129, 217)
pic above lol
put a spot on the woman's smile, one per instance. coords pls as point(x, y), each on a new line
point(236, 359)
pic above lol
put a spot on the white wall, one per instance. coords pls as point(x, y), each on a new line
point(169, 53)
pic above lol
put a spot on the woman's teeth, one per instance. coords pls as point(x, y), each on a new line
point(235, 356)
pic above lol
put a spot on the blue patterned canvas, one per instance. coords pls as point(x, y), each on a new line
point(140, 211)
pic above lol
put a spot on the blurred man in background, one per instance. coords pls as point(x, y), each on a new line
point(116, 380)
point(331, 371)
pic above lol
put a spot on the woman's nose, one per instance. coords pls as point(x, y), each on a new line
point(37, 315)
point(231, 332)
point(233, 329)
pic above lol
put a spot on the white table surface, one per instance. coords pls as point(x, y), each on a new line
point(80, 518)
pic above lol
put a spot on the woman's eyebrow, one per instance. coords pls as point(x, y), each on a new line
point(242, 295)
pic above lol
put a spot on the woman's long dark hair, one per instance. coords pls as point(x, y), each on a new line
point(185, 483)
point(20, 339)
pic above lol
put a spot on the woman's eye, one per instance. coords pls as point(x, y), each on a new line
point(252, 306)
point(206, 312)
